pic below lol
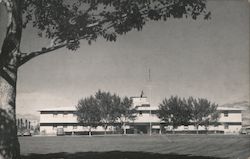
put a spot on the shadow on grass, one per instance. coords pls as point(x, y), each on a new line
point(113, 155)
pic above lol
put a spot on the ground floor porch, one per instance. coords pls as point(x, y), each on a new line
point(137, 128)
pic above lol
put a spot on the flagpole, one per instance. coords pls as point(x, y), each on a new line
point(150, 95)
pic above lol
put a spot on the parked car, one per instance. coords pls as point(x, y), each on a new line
point(26, 133)
point(245, 130)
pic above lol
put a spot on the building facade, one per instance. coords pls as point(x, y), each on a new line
point(146, 121)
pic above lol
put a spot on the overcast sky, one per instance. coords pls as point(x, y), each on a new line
point(200, 58)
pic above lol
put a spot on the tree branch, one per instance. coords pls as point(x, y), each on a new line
point(25, 57)
point(7, 77)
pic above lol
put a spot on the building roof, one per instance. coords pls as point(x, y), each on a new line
point(138, 97)
point(228, 108)
point(147, 108)
point(59, 109)
point(138, 108)
point(74, 109)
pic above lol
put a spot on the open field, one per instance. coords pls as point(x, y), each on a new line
point(121, 147)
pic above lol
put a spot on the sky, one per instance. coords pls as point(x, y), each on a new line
point(205, 59)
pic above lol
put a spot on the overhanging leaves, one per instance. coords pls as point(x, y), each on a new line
point(70, 21)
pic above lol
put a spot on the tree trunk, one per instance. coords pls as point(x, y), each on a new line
point(105, 129)
point(206, 128)
point(9, 55)
point(124, 128)
point(173, 132)
point(197, 129)
point(9, 145)
point(89, 131)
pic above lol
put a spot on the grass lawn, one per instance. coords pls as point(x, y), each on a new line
point(135, 147)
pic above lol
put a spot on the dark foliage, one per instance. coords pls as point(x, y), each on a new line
point(71, 21)
point(203, 112)
point(175, 111)
point(88, 113)
point(104, 109)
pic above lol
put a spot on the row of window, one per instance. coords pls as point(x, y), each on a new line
point(64, 126)
point(154, 112)
point(64, 114)
point(226, 126)
point(140, 113)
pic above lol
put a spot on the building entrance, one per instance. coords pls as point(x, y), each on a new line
point(141, 129)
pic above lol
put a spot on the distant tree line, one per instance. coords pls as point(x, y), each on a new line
point(177, 111)
point(104, 109)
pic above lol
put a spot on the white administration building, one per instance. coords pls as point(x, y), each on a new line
point(52, 119)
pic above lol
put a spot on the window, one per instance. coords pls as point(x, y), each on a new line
point(64, 126)
point(65, 114)
point(226, 114)
point(74, 126)
point(74, 114)
point(55, 114)
point(226, 126)
point(153, 112)
point(140, 113)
